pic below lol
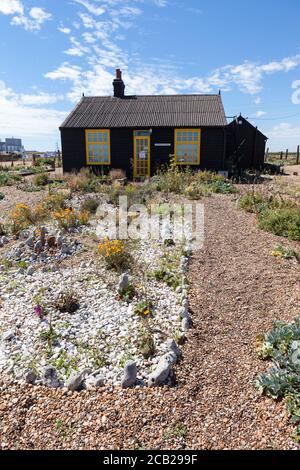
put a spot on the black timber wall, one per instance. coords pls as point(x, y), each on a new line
point(122, 149)
point(251, 153)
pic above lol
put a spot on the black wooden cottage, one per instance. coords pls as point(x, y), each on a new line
point(246, 145)
point(138, 134)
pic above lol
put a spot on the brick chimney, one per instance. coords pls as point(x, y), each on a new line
point(119, 85)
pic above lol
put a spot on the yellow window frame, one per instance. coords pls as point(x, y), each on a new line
point(87, 143)
point(198, 142)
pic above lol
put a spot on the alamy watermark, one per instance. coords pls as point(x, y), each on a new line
point(179, 223)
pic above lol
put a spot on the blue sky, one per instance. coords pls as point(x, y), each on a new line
point(53, 50)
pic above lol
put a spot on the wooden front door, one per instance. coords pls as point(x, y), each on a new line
point(141, 154)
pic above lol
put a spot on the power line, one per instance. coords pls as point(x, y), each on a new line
point(274, 118)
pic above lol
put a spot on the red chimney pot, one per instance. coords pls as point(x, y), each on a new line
point(118, 74)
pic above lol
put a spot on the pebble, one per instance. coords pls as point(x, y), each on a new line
point(103, 328)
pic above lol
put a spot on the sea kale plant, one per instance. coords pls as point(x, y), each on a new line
point(282, 380)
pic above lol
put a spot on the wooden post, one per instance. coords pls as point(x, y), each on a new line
point(298, 154)
point(267, 155)
point(286, 154)
point(281, 155)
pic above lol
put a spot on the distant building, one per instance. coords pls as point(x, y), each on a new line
point(11, 145)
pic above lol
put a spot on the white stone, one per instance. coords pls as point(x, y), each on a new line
point(8, 335)
point(130, 374)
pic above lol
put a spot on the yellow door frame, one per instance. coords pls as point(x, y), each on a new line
point(135, 139)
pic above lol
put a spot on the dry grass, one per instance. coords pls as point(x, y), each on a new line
point(117, 174)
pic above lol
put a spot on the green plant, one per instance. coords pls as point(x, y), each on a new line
point(281, 222)
point(146, 343)
point(144, 309)
point(115, 254)
point(8, 178)
point(67, 302)
point(49, 335)
point(196, 191)
point(97, 357)
point(127, 293)
point(68, 218)
point(90, 205)
point(171, 278)
point(41, 179)
point(281, 252)
point(20, 218)
point(65, 430)
point(252, 202)
point(2, 196)
point(221, 187)
point(117, 174)
point(66, 363)
point(3, 230)
point(179, 430)
point(282, 380)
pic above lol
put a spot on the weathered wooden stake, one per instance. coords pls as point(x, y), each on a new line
point(267, 155)
point(281, 155)
point(298, 154)
point(286, 154)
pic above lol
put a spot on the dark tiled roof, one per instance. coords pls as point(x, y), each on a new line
point(148, 111)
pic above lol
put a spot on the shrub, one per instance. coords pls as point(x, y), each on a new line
point(84, 181)
point(146, 343)
point(8, 179)
point(69, 218)
point(49, 335)
point(115, 254)
point(252, 202)
point(173, 179)
point(90, 205)
point(55, 201)
point(2, 196)
point(3, 230)
point(41, 179)
point(117, 174)
point(221, 187)
point(281, 222)
point(208, 177)
point(20, 218)
point(66, 363)
point(127, 293)
point(196, 191)
point(171, 278)
point(281, 252)
point(67, 302)
point(144, 309)
point(282, 346)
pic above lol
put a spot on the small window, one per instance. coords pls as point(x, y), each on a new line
point(187, 146)
point(144, 133)
point(97, 146)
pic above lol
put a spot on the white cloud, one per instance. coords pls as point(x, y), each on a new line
point(77, 48)
point(34, 124)
point(260, 114)
point(65, 72)
point(11, 7)
point(39, 99)
point(160, 3)
point(33, 22)
point(91, 7)
point(89, 38)
point(284, 130)
point(64, 30)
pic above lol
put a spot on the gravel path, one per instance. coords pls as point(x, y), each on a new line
point(238, 289)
